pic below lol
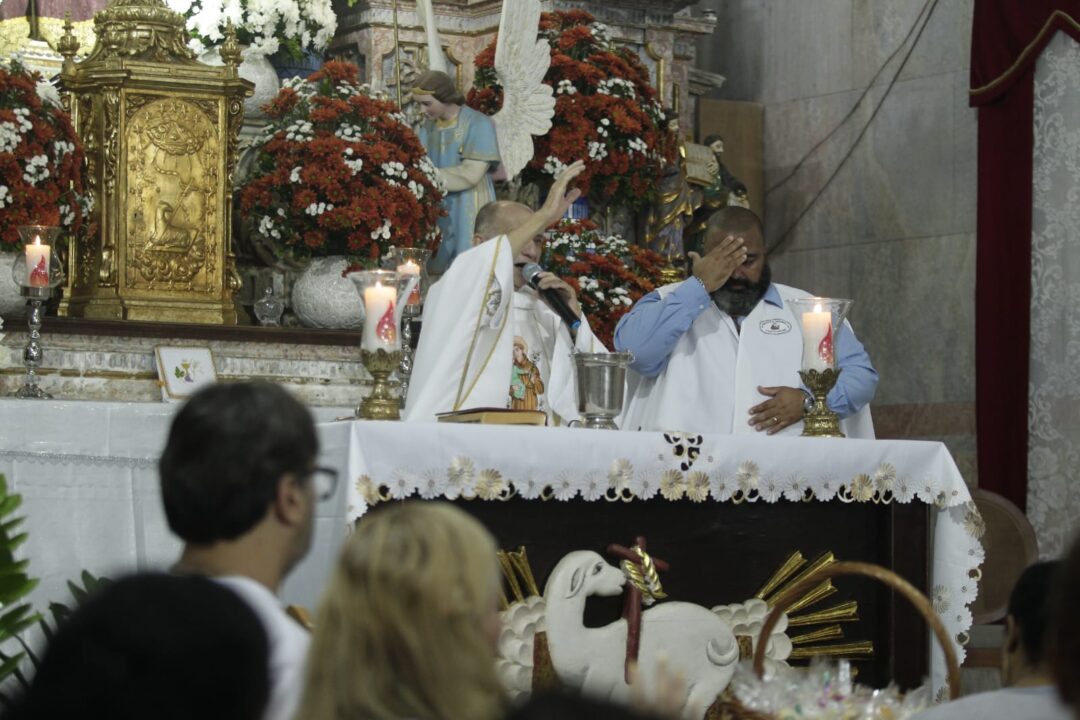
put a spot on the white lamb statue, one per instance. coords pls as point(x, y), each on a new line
point(691, 639)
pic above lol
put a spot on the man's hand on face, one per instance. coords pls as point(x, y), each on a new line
point(784, 407)
point(546, 280)
point(716, 267)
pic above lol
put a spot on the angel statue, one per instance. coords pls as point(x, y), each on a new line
point(470, 149)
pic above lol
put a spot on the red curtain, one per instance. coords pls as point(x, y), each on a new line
point(1007, 38)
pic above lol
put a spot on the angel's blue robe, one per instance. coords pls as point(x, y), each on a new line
point(470, 136)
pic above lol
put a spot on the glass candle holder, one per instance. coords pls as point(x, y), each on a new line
point(819, 319)
point(413, 261)
point(381, 291)
point(38, 266)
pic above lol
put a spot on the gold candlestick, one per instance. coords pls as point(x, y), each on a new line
point(821, 421)
point(380, 404)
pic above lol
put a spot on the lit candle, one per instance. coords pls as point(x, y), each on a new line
point(37, 263)
point(817, 339)
point(380, 330)
point(411, 268)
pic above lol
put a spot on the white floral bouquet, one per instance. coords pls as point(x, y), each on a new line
point(41, 158)
point(264, 26)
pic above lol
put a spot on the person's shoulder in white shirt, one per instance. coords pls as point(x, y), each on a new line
point(287, 643)
point(1016, 703)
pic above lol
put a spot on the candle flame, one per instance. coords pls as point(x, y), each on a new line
point(37, 239)
point(817, 307)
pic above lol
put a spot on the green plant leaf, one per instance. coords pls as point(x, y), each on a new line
point(14, 584)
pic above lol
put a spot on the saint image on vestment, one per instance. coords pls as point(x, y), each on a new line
point(526, 385)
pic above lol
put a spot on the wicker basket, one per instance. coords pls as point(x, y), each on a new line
point(729, 707)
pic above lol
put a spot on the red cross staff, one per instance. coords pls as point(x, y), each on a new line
point(632, 600)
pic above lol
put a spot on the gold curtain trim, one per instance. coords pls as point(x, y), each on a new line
point(1022, 58)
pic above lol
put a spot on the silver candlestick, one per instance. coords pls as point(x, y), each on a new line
point(410, 313)
point(411, 261)
point(36, 297)
point(37, 271)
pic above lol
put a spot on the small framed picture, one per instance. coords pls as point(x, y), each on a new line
point(183, 370)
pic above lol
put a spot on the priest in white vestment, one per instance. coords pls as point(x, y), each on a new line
point(720, 352)
point(489, 339)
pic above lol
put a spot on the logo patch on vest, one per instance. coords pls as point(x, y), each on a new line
point(775, 326)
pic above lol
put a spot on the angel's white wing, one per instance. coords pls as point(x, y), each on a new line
point(521, 61)
point(436, 58)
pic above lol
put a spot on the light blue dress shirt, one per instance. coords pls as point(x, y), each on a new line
point(651, 329)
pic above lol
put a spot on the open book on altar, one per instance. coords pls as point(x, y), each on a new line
point(494, 416)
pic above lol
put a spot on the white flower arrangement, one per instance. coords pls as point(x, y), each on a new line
point(265, 26)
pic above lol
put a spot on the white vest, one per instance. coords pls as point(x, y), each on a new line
point(711, 379)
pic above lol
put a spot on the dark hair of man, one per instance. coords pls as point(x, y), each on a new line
point(228, 448)
point(710, 139)
point(733, 220)
point(1030, 605)
point(153, 646)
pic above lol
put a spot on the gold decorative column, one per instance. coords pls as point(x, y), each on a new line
point(161, 134)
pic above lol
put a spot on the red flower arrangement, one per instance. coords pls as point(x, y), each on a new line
point(41, 158)
point(606, 112)
point(339, 172)
point(608, 273)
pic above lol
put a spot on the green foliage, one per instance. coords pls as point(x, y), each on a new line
point(15, 616)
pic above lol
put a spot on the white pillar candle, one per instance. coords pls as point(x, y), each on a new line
point(380, 330)
point(411, 268)
point(817, 340)
point(37, 263)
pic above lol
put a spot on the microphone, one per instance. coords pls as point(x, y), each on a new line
point(552, 297)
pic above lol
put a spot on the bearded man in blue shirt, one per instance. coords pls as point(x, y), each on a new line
point(720, 352)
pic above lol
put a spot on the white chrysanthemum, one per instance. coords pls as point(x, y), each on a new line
point(47, 92)
point(553, 165)
point(381, 232)
point(316, 209)
point(9, 137)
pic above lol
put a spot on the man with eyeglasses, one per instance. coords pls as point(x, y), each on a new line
point(239, 485)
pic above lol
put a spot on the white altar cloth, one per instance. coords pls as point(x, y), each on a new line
point(87, 472)
point(390, 461)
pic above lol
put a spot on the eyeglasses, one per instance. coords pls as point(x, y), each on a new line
point(324, 481)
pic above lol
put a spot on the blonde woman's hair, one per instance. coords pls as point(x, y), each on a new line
point(401, 629)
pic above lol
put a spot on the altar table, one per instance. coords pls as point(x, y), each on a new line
point(87, 473)
point(578, 469)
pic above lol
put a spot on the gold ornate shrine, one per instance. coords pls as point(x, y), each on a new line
point(161, 133)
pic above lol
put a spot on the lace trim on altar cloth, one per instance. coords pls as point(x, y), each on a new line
point(46, 458)
point(621, 482)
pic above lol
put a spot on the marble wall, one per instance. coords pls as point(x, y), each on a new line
point(895, 227)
